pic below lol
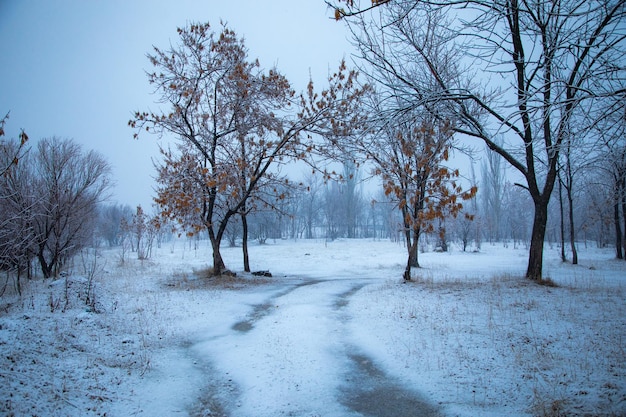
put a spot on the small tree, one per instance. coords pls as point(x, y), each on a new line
point(110, 221)
point(611, 162)
point(311, 205)
point(425, 190)
point(141, 231)
point(409, 152)
point(492, 193)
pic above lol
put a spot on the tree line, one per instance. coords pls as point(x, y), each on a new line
point(539, 85)
point(328, 210)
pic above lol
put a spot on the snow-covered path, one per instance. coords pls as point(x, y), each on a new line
point(293, 354)
point(335, 332)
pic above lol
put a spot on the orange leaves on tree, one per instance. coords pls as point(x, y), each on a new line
point(426, 190)
point(340, 13)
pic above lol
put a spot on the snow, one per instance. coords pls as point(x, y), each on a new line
point(334, 332)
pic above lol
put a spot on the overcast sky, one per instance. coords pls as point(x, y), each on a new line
point(75, 69)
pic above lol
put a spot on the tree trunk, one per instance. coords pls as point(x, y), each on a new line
point(412, 259)
point(570, 201)
point(18, 285)
point(618, 231)
point(442, 239)
point(45, 268)
point(535, 258)
point(407, 238)
point(218, 262)
point(623, 192)
point(244, 238)
point(411, 234)
point(407, 270)
point(562, 210)
point(572, 232)
point(412, 245)
point(414, 254)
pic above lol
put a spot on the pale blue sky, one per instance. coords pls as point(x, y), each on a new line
point(75, 69)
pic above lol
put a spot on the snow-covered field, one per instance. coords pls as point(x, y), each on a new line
point(334, 332)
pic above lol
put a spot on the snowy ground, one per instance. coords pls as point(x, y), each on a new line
point(334, 332)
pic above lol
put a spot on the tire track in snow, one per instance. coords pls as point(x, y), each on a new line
point(261, 310)
point(372, 393)
point(369, 390)
point(312, 370)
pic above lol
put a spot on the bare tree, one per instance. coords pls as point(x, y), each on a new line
point(611, 162)
point(52, 195)
point(619, 178)
point(566, 175)
point(14, 224)
point(332, 210)
point(351, 198)
point(16, 203)
point(142, 231)
point(110, 218)
point(385, 216)
point(597, 204)
point(492, 192)
point(520, 71)
point(311, 205)
point(69, 184)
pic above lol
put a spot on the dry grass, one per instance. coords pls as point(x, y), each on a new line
point(203, 278)
point(538, 344)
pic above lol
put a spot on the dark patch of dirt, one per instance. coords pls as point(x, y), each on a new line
point(197, 280)
point(372, 393)
point(261, 310)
